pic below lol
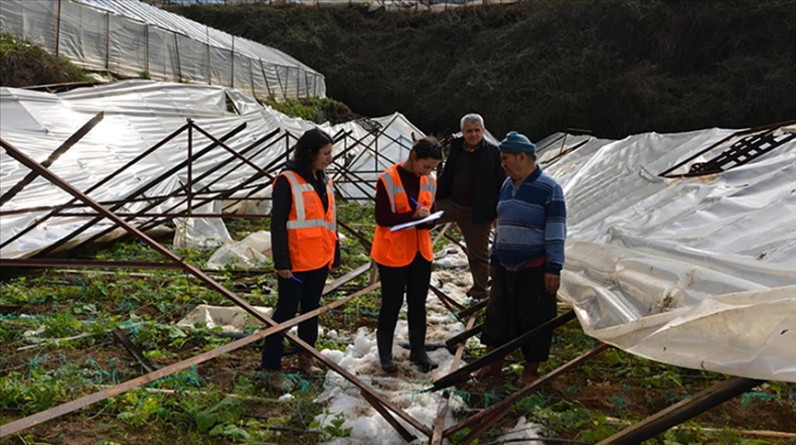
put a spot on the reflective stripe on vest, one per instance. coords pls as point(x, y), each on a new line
point(399, 248)
point(312, 234)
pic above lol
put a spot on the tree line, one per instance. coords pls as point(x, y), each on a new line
point(612, 67)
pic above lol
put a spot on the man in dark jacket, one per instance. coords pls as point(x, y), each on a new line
point(467, 190)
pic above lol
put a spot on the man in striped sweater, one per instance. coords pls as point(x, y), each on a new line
point(527, 256)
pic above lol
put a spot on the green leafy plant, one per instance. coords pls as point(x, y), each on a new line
point(141, 407)
point(39, 391)
point(334, 427)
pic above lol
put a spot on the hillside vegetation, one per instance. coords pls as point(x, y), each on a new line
point(25, 64)
point(614, 67)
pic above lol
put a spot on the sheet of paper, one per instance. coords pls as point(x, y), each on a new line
point(429, 218)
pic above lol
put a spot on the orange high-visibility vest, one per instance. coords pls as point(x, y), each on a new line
point(398, 249)
point(311, 233)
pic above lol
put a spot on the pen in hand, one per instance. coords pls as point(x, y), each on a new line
point(416, 203)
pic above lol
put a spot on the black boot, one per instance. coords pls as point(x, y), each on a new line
point(384, 342)
point(417, 346)
point(387, 365)
point(421, 359)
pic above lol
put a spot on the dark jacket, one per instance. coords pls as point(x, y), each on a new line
point(488, 176)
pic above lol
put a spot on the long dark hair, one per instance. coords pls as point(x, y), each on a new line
point(307, 147)
point(427, 147)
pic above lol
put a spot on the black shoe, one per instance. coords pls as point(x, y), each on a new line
point(388, 366)
point(422, 360)
point(477, 297)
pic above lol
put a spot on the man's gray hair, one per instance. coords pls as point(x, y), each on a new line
point(470, 118)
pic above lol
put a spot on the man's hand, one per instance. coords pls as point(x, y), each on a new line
point(552, 282)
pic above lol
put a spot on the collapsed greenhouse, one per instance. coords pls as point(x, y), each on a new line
point(680, 247)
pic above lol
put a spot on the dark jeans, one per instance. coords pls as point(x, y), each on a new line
point(476, 236)
point(519, 303)
point(412, 279)
point(291, 295)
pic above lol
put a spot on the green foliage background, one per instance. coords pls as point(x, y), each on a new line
point(615, 67)
point(23, 63)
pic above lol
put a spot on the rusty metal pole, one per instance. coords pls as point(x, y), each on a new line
point(57, 411)
point(483, 420)
point(682, 411)
point(97, 185)
point(167, 174)
point(463, 372)
point(71, 141)
point(439, 423)
point(210, 282)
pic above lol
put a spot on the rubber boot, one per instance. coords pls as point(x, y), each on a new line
point(384, 342)
point(417, 347)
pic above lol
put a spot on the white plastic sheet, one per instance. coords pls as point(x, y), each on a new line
point(249, 252)
point(137, 115)
point(697, 272)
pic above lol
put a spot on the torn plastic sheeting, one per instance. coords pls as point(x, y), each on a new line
point(250, 252)
point(201, 232)
point(139, 114)
point(228, 318)
point(648, 258)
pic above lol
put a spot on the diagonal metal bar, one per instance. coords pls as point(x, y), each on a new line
point(140, 191)
point(132, 349)
point(439, 423)
point(271, 166)
point(502, 351)
point(210, 282)
point(347, 277)
point(72, 140)
point(486, 418)
point(152, 222)
point(464, 335)
point(56, 411)
point(409, 437)
point(102, 182)
point(453, 306)
point(474, 308)
point(682, 411)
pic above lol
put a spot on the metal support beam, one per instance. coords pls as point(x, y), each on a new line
point(439, 423)
point(210, 282)
point(72, 140)
point(682, 411)
point(463, 372)
point(483, 420)
point(82, 402)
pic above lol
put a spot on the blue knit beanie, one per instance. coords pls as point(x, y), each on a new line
point(515, 143)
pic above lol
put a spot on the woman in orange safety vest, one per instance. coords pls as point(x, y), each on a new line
point(404, 193)
point(304, 246)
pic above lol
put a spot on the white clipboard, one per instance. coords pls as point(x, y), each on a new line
point(434, 216)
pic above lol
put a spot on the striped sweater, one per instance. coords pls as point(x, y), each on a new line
point(531, 223)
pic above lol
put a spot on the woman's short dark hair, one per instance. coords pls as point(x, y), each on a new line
point(308, 146)
point(427, 147)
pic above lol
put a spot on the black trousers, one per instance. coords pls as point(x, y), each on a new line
point(293, 294)
point(413, 280)
point(519, 303)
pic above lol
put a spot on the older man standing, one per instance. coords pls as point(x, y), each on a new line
point(467, 192)
point(527, 256)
